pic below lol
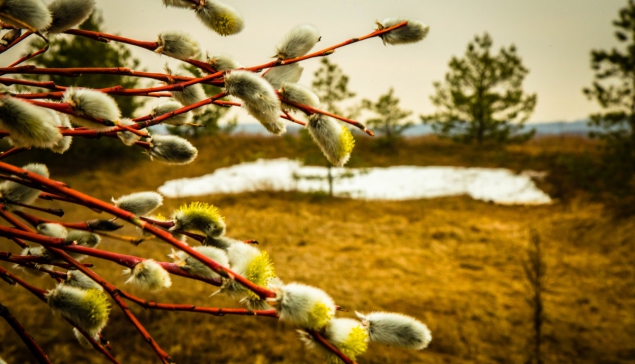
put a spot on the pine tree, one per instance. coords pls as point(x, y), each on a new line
point(331, 85)
point(482, 99)
point(389, 122)
point(614, 90)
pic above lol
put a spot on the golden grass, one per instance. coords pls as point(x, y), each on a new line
point(454, 263)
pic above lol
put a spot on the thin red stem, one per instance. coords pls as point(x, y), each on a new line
point(35, 349)
point(319, 338)
point(15, 42)
point(26, 57)
point(89, 201)
point(12, 151)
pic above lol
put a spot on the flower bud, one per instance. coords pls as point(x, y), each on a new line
point(299, 94)
point(396, 329)
point(127, 137)
point(65, 143)
point(172, 149)
point(221, 242)
point(288, 73)
point(38, 251)
point(223, 63)
point(88, 309)
point(68, 14)
point(298, 41)
point(220, 17)
point(53, 230)
point(411, 33)
point(335, 140)
point(177, 44)
point(93, 104)
point(256, 266)
point(139, 203)
point(190, 94)
point(168, 107)
point(178, 3)
point(346, 334)
point(31, 14)
point(304, 306)
point(28, 125)
point(82, 238)
point(259, 98)
point(196, 267)
point(149, 275)
point(199, 216)
point(75, 278)
point(7, 38)
point(15, 192)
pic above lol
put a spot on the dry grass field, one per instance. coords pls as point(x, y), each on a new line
point(454, 263)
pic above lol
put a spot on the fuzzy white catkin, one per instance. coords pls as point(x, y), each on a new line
point(298, 41)
point(88, 309)
point(339, 332)
point(222, 242)
point(299, 94)
point(75, 278)
point(178, 3)
point(149, 275)
point(414, 32)
point(220, 17)
point(259, 98)
point(28, 125)
point(94, 104)
point(15, 192)
point(196, 267)
point(223, 63)
point(296, 303)
point(35, 251)
point(288, 73)
point(68, 14)
point(240, 255)
point(172, 149)
point(169, 106)
point(177, 44)
point(396, 329)
point(328, 135)
point(22, 13)
point(190, 94)
point(65, 143)
point(127, 137)
point(139, 203)
point(52, 230)
point(82, 238)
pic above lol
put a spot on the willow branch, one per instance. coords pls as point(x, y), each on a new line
point(26, 57)
point(35, 349)
point(89, 201)
point(327, 344)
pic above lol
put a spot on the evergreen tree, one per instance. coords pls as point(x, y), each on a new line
point(614, 90)
point(66, 51)
point(482, 99)
point(331, 85)
point(389, 123)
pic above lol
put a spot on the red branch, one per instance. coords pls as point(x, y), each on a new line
point(319, 338)
point(35, 349)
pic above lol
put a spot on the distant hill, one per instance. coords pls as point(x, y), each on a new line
point(579, 127)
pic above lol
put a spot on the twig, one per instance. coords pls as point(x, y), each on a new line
point(35, 349)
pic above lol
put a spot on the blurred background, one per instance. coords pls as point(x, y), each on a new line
point(542, 90)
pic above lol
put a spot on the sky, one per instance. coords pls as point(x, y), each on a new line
point(554, 39)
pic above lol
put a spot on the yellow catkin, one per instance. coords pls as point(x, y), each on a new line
point(356, 344)
point(260, 271)
point(203, 211)
point(319, 317)
point(347, 142)
point(100, 307)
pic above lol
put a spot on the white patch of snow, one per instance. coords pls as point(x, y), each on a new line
point(393, 183)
